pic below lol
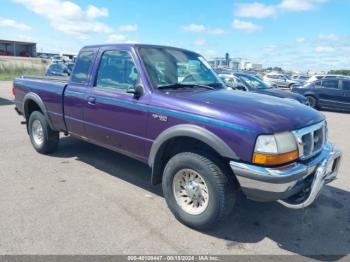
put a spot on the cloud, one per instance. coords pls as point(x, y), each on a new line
point(256, 10)
point(324, 49)
point(114, 38)
point(245, 26)
point(298, 5)
point(259, 10)
point(13, 24)
point(346, 48)
point(200, 41)
point(196, 28)
point(68, 17)
point(128, 28)
point(119, 38)
point(24, 38)
point(270, 48)
point(199, 28)
point(216, 31)
point(300, 40)
point(211, 53)
point(93, 12)
point(330, 37)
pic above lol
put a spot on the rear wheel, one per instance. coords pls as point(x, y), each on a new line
point(42, 137)
point(197, 191)
point(312, 101)
point(290, 86)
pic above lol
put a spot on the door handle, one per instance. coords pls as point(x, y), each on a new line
point(91, 100)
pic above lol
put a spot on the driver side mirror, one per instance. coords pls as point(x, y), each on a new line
point(136, 90)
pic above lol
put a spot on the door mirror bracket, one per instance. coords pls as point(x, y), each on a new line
point(136, 90)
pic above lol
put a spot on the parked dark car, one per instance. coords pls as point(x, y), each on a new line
point(202, 142)
point(70, 67)
point(5, 53)
point(333, 93)
point(24, 54)
point(58, 69)
point(247, 82)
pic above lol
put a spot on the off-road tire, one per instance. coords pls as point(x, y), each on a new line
point(50, 138)
point(222, 189)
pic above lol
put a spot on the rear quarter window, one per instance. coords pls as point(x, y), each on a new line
point(81, 70)
point(346, 85)
point(330, 84)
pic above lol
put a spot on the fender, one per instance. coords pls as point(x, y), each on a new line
point(311, 93)
point(36, 98)
point(191, 131)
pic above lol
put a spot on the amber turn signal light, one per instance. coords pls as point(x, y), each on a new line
point(274, 159)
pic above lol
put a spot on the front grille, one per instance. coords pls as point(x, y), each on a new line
point(311, 139)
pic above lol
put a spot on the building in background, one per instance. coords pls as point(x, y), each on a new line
point(252, 66)
point(234, 64)
point(17, 48)
point(218, 62)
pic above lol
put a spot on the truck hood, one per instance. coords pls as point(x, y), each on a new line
point(259, 113)
point(281, 93)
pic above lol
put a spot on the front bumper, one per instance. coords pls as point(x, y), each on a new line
point(296, 185)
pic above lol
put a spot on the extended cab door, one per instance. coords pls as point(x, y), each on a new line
point(76, 93)
point(115, 118)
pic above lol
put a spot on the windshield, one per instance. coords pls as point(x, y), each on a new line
point(254, 82)
point(168, 67)
point(70, 67)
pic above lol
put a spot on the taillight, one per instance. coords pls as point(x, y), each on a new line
point(13, 90)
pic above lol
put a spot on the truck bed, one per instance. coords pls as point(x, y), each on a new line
point(49, 89)
point(59, 79)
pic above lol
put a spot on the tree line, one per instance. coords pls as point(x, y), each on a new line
point(344, 72)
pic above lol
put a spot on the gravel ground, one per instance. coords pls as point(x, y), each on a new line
point(88, 200)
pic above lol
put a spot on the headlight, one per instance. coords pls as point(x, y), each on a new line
point(275, 149)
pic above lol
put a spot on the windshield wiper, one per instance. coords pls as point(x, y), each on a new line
point(180, 85)
point(215, 85)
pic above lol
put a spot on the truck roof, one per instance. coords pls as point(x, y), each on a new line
point(134, 45)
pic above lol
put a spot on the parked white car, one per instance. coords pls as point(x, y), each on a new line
point(301, 79)
point(279, 80)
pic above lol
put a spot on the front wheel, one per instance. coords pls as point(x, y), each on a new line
point(312, 101)
point(42, 137)
point(290, 86)
point(197, 191)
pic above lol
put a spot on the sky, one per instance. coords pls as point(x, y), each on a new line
point(293, 34)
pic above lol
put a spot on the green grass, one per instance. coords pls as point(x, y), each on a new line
point(11, 74)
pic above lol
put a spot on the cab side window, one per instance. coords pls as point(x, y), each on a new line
point(346, 85)
point(81, 70)
point(117, 71)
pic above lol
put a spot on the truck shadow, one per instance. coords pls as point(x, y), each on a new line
point(321, 231)
point(5, 102)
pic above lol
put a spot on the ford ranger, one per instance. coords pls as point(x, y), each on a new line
point(166, 107)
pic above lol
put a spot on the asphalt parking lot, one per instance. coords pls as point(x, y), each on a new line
point(88, 200)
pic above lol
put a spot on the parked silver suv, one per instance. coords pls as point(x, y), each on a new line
point(279, 80)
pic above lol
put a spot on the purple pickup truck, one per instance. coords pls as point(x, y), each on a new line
point(166, 107)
